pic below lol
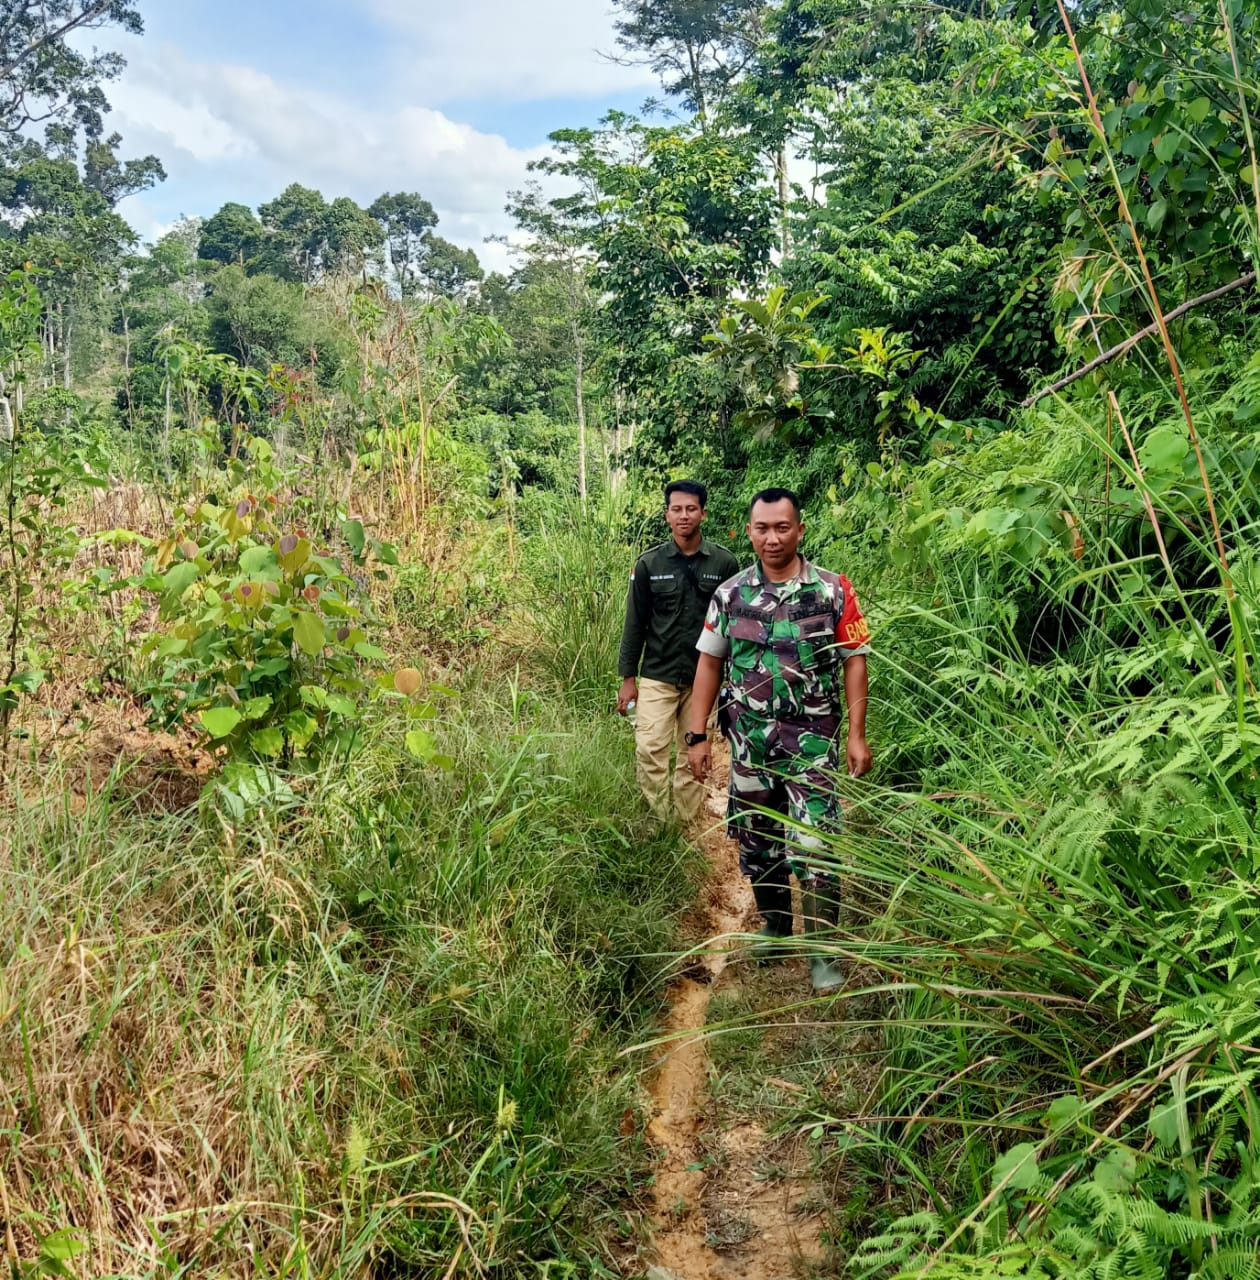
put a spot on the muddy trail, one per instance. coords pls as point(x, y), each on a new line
point(729, 1201)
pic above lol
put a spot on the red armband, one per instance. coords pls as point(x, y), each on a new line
point(851, 631)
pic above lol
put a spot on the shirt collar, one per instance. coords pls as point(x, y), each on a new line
point(807, 573)
point(676, 550)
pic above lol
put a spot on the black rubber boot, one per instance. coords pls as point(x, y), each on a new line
point(773, 895)
point(820, 906)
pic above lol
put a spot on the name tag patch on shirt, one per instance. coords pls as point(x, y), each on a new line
point(662, 577)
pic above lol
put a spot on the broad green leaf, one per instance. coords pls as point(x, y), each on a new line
point(300, 727)
point(267, 742)
point(63, 1246)
point(1061, 1112)
point(1198, 109)
point(1156, 214)
point(255, 708)
point(178, 578)
point(1166, 146)
point(421, 743)
point(370, 652)
point(1118, 1171)
point(256, 559)
point(1164, 1124)
point(1164, 449)
point(993, 521)
point(218, 722)
point(1136, 145)
point(340, 705)
point(292, 552)
point(313, 696)
point(1016, 1170)
point(308, 631)
point(356, 539)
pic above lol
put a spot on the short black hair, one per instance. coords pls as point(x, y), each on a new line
point(775, 495)
point(693, 487)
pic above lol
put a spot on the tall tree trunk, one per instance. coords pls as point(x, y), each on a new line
point(131, 409)
point(619, 406)
point(697, 86)
point(6, 411)
point(578, 378)
point(166, 427)
point(780, 171)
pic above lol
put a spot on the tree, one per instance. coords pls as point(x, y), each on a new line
point(672, 223)
point(536, 372)
point(69, 230)
point(116, 179)
point(408, 219)
point(161, 293)
point(58, 196)
point(447, 270)
point(295, 223)
point(351, 237)
point(43, 79)
point(559, 237)
point(697, 47)
point(233, 234)
point(261, 320)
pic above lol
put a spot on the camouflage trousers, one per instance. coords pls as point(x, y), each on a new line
point(789, 769)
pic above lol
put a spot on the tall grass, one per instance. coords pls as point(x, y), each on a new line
point(368, 1019)
point(577, 563)
point(1059, 894)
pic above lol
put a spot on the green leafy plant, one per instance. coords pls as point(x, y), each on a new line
point(266, 632)
point(36, 477)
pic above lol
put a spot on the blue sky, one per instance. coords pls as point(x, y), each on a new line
point(451, 98)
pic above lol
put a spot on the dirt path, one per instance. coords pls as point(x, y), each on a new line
point(727, 1199)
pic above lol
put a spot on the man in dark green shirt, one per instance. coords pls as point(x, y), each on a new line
point(670, 586)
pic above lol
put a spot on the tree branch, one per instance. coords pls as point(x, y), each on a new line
point(86, 18)
point(1121, 347)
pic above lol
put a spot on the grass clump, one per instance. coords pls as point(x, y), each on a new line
point(1059, 889)
point(366, 1019)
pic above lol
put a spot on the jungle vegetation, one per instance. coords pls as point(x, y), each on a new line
point(326, 906)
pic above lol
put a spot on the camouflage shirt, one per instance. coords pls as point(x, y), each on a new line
point(785, 640)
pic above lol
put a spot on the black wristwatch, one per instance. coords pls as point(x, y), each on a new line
point(691, 739)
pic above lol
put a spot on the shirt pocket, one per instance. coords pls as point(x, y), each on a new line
point(667, 595)
point(751, 630)
point(817, 639)
point(818, 628)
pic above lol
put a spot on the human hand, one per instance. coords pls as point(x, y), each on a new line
point(628, 693)
point(859, 756)
point(700, 760)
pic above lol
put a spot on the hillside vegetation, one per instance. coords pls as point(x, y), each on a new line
point(327, 904)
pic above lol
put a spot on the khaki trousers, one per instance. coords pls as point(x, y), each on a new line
point(659, 724)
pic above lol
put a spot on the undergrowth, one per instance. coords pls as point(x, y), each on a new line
point(364, 1017)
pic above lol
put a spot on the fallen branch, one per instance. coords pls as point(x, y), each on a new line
point(1121, 347)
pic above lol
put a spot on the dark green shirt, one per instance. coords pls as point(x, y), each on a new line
point(665, 610)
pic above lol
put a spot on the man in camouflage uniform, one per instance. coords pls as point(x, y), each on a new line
point(794, 637)
point(670, 586)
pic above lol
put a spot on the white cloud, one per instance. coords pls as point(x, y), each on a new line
point(507, 50)
point(234, 132)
